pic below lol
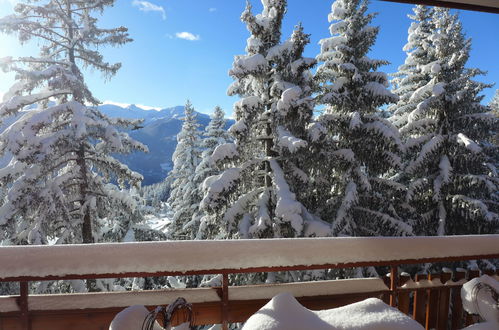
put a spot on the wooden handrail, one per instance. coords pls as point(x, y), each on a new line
point(57, 262)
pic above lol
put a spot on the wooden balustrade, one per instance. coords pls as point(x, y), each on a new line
point(436, 298)
point(433, 300)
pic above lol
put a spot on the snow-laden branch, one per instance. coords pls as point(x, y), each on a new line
point(216, 185)
point(286, 140)
point(443, 177)
point(17, 103)
point(250, 64)
point(287, 208)
point(468, 143)
point(430, 147)
point(224, 152)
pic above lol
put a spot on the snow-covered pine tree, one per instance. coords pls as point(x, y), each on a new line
point(183, 198)
point(415, 72)
point(194, 228)
point(155, 195)
point(252, 198)
point(494, 106)
point(359, 146)
point(214, 135)
point(412, 75)
point(292, 115)
point(60, 177)
point(453, 182)
point(492, 144)
point(123, 226)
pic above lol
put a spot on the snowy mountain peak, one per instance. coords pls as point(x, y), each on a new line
point(131, 106)
point(137, 111)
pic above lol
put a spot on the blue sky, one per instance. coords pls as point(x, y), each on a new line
point(183, 49)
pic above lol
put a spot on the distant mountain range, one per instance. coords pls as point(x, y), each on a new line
point(159, 133)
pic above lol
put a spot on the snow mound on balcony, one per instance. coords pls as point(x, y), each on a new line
point(284, 312)
point(483, 326)
point(478, 298)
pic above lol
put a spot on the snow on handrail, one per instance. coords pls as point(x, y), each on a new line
point(232, 256)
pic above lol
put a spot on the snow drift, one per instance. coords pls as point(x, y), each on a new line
point(284, 312)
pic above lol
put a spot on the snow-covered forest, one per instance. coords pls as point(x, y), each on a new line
point(321, 147)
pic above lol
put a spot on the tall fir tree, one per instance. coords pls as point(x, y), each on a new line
point(494, 106)
point(183, 198)
point(412, 75)
point(292, 116)
point(214, 136)
point(359, 147)
point(252, 197)
point(453, 182)
point(494, 103)
point(416, 70)
point(60, 178)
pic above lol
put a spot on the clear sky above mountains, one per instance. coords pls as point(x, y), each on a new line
point(184, 48)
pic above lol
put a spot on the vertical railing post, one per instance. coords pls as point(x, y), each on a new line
point(393, 285)
point(471, 319)
point(404, 297)
point(444, 301)
point(23, 305)
point(225, 301)
point(432, 303)
point(419, 305)
point(457, 304)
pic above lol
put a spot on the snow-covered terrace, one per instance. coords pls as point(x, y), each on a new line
point(227, 303)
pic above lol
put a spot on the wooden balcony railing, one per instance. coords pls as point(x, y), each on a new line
point(430, 297)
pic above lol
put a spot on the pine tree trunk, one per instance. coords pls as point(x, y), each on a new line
point(267, 145)
point(268, 152)
point(86, 229)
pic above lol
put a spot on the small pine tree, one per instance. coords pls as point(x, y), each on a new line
point(156, 194)
point(122, 226)
point(453, 183)
point(215, 135)
point(60, 177)
point(494, 106)
point(183, 197)
point(415, 72)
point(359, 147)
